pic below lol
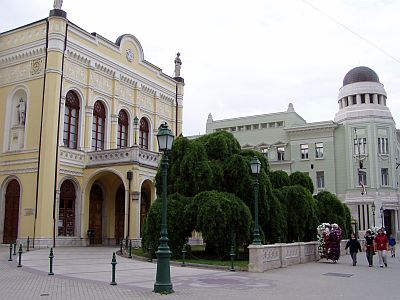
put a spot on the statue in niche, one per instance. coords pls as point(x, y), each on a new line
point(21, 107)
point(57, 4)
point(178, 64)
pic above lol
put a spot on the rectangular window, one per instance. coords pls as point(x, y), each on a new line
point(304, 151)
point(360, 146)
point(319, 150)
point(264, 125)
point(320, 180)
point(240, 128)
point(271, 125)
point(248, 127)
point(279, 124)
point(233, 128)
point(385, 176)
point(362, 178)
point(281, 153)
point(264, 151)
point(383, 146)
point(255, 126)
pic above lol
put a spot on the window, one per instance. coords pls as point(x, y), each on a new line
point(255, 126)
point(123, 124)
point(264, 151)
point(240, 128)
point(144, 134)
point(71, 120)
point(319, 150)
point(360, 146)
point(354, 99)
point(98, 126)
point(279, 124)
point(281, 153)
point(385, 176)
point(304, 151)
point(66, 212)
point(271, 125)
point(363, 98)
point(248, 127)
point(233, 128)
point(383, 146)
point(320, 180)
point(362, 178)
point(264, 125)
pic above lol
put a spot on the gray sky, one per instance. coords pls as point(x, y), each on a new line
point(247, 57)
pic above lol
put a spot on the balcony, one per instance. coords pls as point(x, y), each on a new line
point(122, 156)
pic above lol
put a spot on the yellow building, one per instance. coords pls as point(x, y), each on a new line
point(79, 116)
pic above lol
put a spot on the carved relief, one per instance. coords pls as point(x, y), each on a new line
point(145, 101)
point(76, 72)
point(15, 73)
point(100, 82)
point(125, 92)
point(36, 66)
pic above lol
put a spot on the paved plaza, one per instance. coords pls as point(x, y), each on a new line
point(85, 273)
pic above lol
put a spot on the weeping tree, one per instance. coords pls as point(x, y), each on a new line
point(302, 179)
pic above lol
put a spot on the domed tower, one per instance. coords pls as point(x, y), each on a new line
point(362, 96)
point(367, 150)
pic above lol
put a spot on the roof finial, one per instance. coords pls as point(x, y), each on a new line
point(290, 108)
point(178, 64)
point(57, 4)
point(210, 118)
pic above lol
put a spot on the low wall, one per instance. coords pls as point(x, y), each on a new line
point(268, 257)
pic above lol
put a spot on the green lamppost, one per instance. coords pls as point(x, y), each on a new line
point(373, 212)
point(255, 169)
point(163, 277)
point(135, 122)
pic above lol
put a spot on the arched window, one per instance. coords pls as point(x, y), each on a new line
point(98, 126)
point(123, 124)
point(71, 120)
point(66, 212)
point(144, 134)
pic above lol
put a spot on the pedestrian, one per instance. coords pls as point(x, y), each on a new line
point(392, 244)
point(381, 246)
point(355, 246)
point(369, 247)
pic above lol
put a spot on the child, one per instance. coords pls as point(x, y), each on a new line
point(355, 246)
point(392, 244)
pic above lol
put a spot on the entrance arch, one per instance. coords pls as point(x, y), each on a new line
point(119, 214)
point(145, 202)
point(96, 214)
point(11, 215)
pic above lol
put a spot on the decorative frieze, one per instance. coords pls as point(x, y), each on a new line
point(75, 72)
point(100, 82)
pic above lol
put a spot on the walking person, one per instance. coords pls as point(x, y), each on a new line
point(355, 246)
point(369, 247)
point(381, 246)
point(392, 244)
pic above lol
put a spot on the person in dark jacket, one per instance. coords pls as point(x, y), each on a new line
point(355, 246)
point(369, 247)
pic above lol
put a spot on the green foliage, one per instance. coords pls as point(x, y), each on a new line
point(220, 145)
point(332, 210)
point(178, 228)
point(302, 179)
point(279, 179)
point(301, 209)
point(221, 218)
point(276, 229)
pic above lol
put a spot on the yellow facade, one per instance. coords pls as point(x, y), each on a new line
point(65, 169)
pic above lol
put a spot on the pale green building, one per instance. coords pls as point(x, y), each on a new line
point(355, 156)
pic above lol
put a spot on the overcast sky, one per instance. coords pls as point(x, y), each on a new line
point(243, 58)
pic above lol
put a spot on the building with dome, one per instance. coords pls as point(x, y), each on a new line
point(79, 116)
point(355, 156)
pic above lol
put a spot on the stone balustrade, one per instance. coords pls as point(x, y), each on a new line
point(268, 257)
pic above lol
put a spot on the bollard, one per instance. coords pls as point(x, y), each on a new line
point(149, 252)
point(27, 245)
point(130, 249)
point(120, 247)
point(232, 254)
point(15, 248)
point(10, 259)
point(113, 263)
point(126, 244)
point(19, 256)
point(51, 256)
point(183, 255)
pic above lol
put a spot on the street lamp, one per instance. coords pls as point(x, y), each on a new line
point(373, 211)
point(381, 210)
point(163, 276)
point(135, 122)
point(255, 169)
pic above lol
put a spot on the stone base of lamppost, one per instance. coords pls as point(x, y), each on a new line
point(163, 283)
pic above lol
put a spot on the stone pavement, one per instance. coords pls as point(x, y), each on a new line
point(85, 273)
